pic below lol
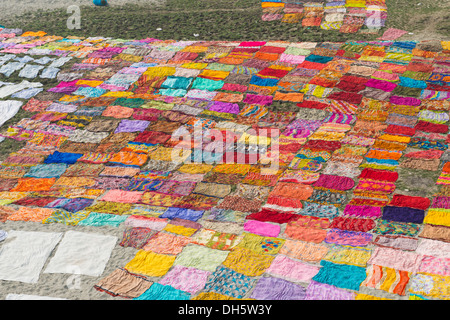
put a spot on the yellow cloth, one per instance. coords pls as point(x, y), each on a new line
point(150, 264)
point(439, 217)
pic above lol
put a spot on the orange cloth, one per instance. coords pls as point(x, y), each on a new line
point(31, 214)
point(34, 184)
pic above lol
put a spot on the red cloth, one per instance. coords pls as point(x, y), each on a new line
point(266, 215)
point(270, 72)
point(285, 202)
point(335, 182)
point(312, 65)
point(402, 130)
point(349, 97)
point(312, 104)
point(234, 87)
point(153, 137)
point(323, 145)
point(352, 224)
point(425, 154)
point(399, 200)
point(271, 49)
point(352, 83)
point(379, 175)
point(431, 127)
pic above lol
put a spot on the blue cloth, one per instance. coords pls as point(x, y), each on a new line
point(63, 157)
point(340, 275)
point(161, 292)
point(382, 161)
point(182, 213)
point(263, 82)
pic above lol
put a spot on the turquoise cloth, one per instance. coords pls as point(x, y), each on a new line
point(340, 275)
point(100, 2)
point(103, 219)
point(172, 92)
point(53, 170)
point(176, 83)
point(207, 84)
point(161, 292)
point(412, 83)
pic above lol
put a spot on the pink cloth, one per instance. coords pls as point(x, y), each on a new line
point(153, 223)
point(122, 196)
point(396, 259)
point(292, 270)
point(392, 34)
point(262, 228)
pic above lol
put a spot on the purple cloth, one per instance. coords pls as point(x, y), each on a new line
point(405, 101)
point(227, 107)
point(403, 214)
point(132, 126)
point(323, 291)
point(277, 289)
point(77, 204)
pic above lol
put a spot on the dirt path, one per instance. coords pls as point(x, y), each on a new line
point(17, 7)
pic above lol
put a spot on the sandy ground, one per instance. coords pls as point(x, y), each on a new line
point(67, 286)
point(12, 8)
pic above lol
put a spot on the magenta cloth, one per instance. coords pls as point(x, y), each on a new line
point(262, 228)
point(362, 211)
point(292, 270)
point(132, 126)
point(260, 100)
point(252, 43)
point(392, 34)
point(405, 101)
point(226, 107)
point(441, 202)
point(268, 288)
point(334, 182)
point(323, 291)
point(381, 84)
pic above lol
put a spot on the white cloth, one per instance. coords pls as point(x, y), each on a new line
point(23, 256)
point(8, 109)
point(435, 248)
point(14, 296)
point(82, 253)
point(13, 88)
